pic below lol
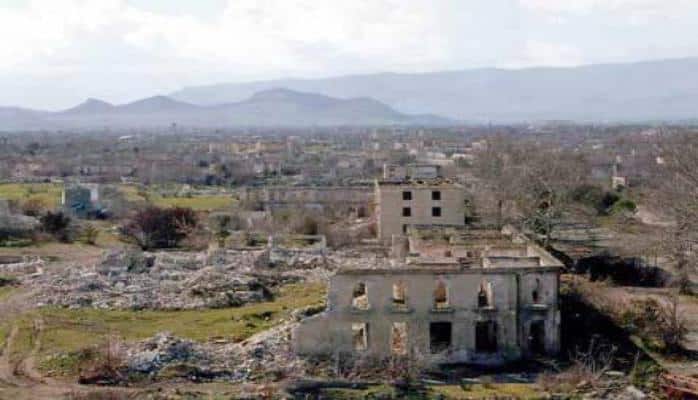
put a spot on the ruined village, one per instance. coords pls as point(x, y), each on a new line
point(477, 262)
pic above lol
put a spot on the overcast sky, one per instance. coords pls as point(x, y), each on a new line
point(56, 53)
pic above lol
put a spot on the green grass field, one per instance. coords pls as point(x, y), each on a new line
point(48, 193)
point(68, 331)
point(198, 203)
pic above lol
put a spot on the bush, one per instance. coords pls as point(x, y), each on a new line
point(156, 227)
point(623, 206)
point(33, 207)
point(607, 201)
point(56, 224)
point(591, 195)
point(90, 234)
point(8, 281)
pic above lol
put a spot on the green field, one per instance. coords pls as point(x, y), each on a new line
point(68, 331)
point(195, 202)
point(48, 193)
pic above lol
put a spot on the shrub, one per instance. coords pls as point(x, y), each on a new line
point(33, 207)
point(591, 195)
point(56, 224)
point(222, 229)
point(607, 201)
point(156, 227)
point(8, 281)
point(90, 234)
point(622, 206)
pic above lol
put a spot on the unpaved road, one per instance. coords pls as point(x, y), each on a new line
point(19, 378)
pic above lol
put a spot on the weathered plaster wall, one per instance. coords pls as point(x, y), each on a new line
point(512, 309)
point(390, 205)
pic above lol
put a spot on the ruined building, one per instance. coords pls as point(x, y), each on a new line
point(455, 295)
point(416, 195)
point(80, 200)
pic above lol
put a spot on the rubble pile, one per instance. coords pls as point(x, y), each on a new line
point(22, 267)
point(15, 224)
point(130, 279)
point(173, 280)
point(167, 357)
point(263, 357)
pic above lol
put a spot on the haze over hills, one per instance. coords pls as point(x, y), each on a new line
point(641, 91)
point(273, 107)
point(665, 90)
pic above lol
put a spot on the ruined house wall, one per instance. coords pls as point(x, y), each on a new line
point(543, 308)
point(331, 332)
point(311, 197)
point(390, 202)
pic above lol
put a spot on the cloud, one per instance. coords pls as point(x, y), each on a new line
point(631, 11)
point(249, 35)
point(116, 48)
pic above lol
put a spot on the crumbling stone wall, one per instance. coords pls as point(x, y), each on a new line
point(308, 197)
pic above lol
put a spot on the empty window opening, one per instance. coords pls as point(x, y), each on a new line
point(406, 212)
point(448, 253)
point(536, 337)
point(361, 212)
point(436, 195)
point(360, 297)
point(439, 336)
point(535, 293)
point(484, 295)
point(360, 336)
point(441, 295)
point(399, 294)
point(436, 211)
point(407, 195)
point(486, 337)
point(398, 338)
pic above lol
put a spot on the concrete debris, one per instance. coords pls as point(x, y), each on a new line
point(131, 279)
point(633, 393)
point(172, 280)
point(15, 224)
point(151, 355)
point(260, 358)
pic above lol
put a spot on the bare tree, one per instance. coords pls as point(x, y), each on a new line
point(677, 196)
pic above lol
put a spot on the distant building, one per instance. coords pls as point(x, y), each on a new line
point(81, 200)
point(416, 195)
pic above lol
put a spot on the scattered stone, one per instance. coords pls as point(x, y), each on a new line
point(633, 393)
point(614, 374)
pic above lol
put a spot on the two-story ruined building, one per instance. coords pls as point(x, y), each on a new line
point(453, 294)
point(482, 301)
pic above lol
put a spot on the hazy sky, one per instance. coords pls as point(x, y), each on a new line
point(56, 53)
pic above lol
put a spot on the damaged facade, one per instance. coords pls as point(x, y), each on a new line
point(416, 195)
point(454, 294)
point(316, 198)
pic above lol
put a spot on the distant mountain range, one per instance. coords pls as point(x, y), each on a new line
point(664, 90)
point(272, 107)
point(642, 91)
